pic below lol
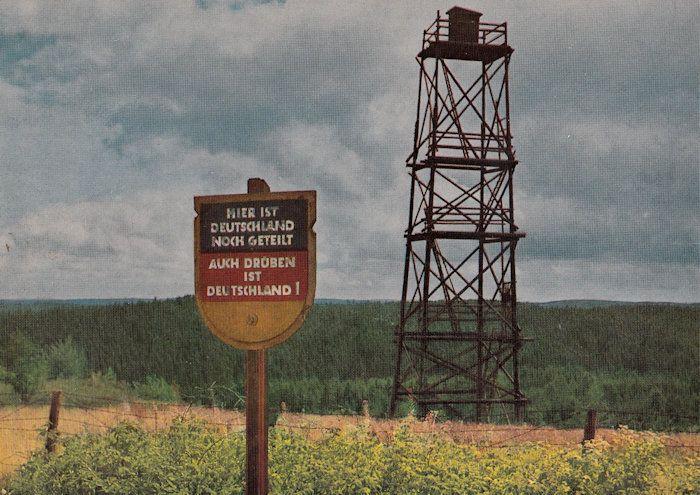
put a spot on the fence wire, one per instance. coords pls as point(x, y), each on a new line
point(79, 415)
point(154, 415)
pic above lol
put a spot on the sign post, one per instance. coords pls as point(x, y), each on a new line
point(255, 280)
point(256, 422)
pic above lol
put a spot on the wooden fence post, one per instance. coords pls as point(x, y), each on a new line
point(53, 421)
point(589, 430)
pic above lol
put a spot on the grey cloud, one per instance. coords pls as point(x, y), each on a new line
point(631, 192)
point(102, 103)
point(16, 48)
point(221, 99)
point(630, 59)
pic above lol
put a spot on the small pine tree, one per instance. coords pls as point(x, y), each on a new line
point(67, 360)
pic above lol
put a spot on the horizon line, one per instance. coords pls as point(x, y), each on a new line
point(381, 300)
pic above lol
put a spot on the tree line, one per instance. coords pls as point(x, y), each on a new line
point(638, 359)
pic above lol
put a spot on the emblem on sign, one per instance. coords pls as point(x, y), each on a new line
point(255, 265)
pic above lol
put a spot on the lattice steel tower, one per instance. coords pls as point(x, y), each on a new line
point(458, 339)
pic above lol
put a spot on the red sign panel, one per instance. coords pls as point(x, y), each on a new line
point(253, 250)
point(260, 276)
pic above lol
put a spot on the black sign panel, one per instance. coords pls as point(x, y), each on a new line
point(277, 225)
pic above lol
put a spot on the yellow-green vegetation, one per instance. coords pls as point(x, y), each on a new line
point(189, 457)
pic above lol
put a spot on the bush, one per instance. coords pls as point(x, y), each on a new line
point(67, 360)
point(6, 376)
point(25, 364)
point(31, 373)
point(8, 396)
point(190, 457)
point(332, 396)
point(99, 389)
point(156, 388)
point(187, 458)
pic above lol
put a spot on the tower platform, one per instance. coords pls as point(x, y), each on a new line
point(456, 50)
point(461, 163)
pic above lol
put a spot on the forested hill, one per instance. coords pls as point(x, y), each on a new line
point(564, 303)
point(642, 356)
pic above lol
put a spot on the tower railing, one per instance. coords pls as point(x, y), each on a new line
point(489, 33)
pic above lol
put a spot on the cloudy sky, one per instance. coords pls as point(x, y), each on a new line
point(113, 115)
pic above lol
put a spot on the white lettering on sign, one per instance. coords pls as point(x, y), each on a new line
point(268, 262)
point(252, 226)
point(227, 240)
point(271, 240)
point(222, 263)
point(255, 262)
point(268, 211)
point(249, 290)
point(232, 213)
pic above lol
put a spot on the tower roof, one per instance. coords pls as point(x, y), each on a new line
point(462, 10)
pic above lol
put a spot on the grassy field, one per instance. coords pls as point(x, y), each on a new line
point(22, 428)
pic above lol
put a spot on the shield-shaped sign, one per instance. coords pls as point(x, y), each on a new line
point(255, 265)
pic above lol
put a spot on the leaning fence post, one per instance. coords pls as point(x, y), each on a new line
point(154, 407)
point(589, 430)
point(53, 421)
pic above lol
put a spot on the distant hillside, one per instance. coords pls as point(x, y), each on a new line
point(564, 303)
point(601, 303)
point(68, 302)
point(107, 302)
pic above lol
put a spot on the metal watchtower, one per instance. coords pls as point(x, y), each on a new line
point(458, 340)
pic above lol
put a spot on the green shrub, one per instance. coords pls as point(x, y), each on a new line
point(67, 360)
point(30, 374)
point(99, 389)
point(191, 458)
point(108, 376)
point(187, 458)
point(25, 365)
point(29, 371)
point(6, 376)
point(8, 395)
point(156, 388)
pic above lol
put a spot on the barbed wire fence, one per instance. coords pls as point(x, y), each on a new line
point(29, 424)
